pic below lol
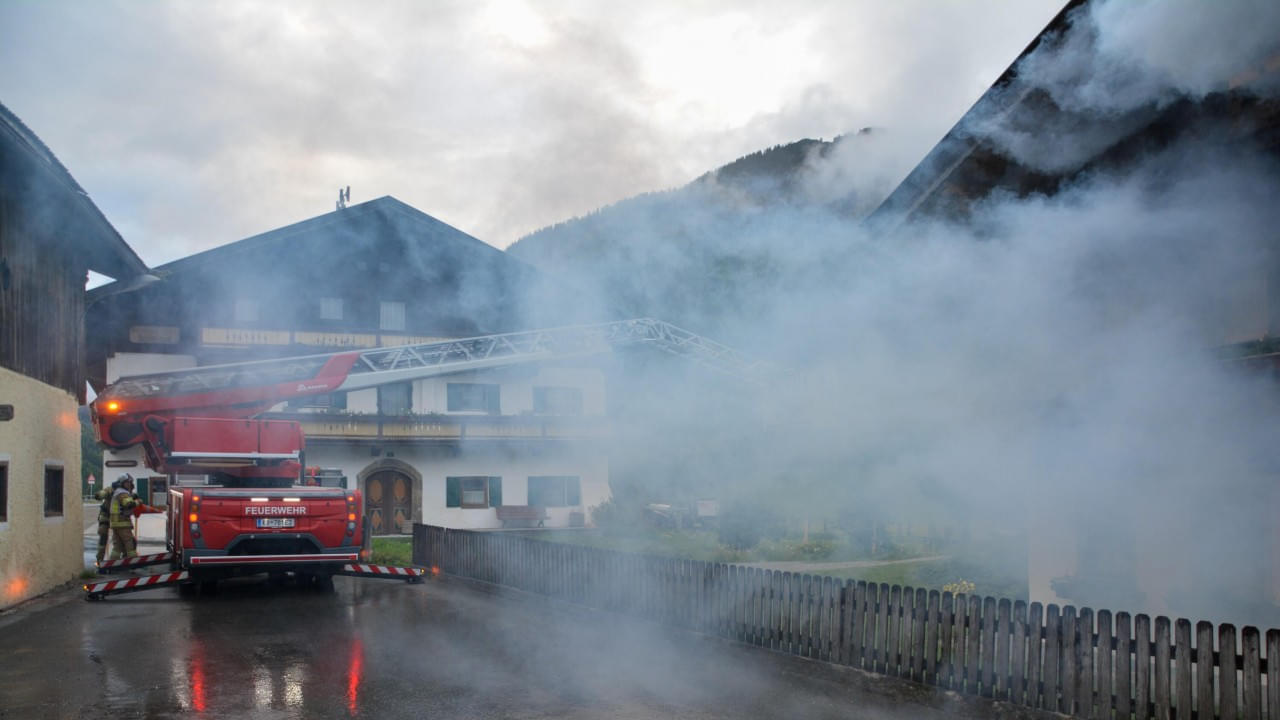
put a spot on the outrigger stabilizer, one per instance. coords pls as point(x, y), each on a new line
point(97, 591)
point(110, 566)
point(410, 575)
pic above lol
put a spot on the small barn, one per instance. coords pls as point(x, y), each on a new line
point(51, 236)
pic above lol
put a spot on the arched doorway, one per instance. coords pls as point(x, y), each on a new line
point(388, 498)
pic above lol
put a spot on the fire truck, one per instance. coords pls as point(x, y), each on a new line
point(260, 510)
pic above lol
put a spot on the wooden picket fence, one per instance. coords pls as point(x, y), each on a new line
point(1073, 661)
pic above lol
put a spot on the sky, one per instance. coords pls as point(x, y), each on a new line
point(196, 124)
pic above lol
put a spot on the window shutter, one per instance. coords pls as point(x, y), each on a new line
point(495, 492)
point(452, 492)
point(572, 491)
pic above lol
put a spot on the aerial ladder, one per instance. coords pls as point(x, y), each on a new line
point(204, 421)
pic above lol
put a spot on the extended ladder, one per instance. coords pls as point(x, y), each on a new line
point(380, 366)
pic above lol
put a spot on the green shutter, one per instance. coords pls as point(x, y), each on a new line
point(495, 492)
point(453, 492)
point(536, 491)
point(572, 491)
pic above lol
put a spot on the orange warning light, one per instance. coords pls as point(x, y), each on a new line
point(113, 406)
point(351, 517)
point(193, 518)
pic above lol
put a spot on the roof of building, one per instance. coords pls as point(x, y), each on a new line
point(966, 166)
point(452, 283)
point(107, 253)
point(362, 214)
point(384, 217)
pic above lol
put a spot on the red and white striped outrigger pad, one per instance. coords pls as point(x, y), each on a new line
point(133, 562)
point(382, 571)
point(144, 582)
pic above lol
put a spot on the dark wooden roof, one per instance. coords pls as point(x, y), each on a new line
point(450, 284)
point(362, 221)
point(100, 245)
point(965, 167)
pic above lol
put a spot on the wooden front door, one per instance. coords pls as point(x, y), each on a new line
point(388, 503)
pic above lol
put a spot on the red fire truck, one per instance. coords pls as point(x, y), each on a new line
point(260, 511)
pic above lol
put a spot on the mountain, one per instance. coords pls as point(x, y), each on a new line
point(708, 254)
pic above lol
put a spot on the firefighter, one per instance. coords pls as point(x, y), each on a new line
point(104, 517)
point(123, 501)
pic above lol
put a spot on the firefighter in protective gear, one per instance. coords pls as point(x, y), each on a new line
point(104, 517)
point(123, 501)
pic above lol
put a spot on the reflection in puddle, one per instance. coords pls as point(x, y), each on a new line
point(293, 676)
point(262, 691)
point(355, 669)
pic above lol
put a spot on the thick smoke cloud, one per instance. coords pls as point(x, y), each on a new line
point(1120, 64)
point(1048, 367)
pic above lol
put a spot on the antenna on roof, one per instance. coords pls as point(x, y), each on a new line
point(344, 197)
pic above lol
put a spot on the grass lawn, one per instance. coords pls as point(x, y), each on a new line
point(392, 551)
point(933, 574)
point(705, 545)
point(994, 573)
point(688, 544)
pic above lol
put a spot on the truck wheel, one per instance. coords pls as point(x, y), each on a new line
point(324, 583)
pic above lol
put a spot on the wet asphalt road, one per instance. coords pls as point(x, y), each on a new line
point(387, 649)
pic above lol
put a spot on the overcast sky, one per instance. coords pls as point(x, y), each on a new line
point(195, 124)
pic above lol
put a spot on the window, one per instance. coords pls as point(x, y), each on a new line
point(395, 399)
point(52, 491)
point(4, 493)
point(473, 396)
point(391, 316)
point(246, 311)
point(330, 308)
point(557, 400)
point(473, 491)
point(555, 490)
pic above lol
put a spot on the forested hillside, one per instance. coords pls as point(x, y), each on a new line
point(704, 255)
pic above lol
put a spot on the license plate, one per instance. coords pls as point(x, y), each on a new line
point(275, 522)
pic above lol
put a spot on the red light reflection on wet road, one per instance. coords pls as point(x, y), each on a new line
point(354, 670)
point(197, 677)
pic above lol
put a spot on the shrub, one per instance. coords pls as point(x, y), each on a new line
point(616, 515)
point(743, 526)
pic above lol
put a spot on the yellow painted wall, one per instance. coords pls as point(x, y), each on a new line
point(38, 553)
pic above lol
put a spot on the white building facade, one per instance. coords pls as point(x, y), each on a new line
point(449, 450)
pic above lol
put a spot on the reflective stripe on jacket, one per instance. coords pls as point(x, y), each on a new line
point(122, 502)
